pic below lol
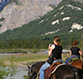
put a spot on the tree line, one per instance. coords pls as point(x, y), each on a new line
point(37, 43)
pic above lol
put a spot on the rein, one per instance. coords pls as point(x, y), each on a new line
point(34, 76)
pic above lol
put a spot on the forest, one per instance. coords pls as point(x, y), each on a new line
point(38, 43)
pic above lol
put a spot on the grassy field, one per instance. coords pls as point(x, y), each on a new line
point(20, 50)
point(26, 58)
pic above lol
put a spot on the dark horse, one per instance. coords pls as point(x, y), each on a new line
point(62, 72)
point(34, 69)
point(67, 72)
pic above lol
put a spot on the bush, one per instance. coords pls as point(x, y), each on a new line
point(5, 71)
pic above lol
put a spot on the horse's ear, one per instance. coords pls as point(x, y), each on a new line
point(28, 66)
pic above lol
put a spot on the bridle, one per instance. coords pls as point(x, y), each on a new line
point(32, 74)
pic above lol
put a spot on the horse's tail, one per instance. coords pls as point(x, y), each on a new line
point(78, 73)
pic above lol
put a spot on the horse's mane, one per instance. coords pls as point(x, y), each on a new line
point(38, 64)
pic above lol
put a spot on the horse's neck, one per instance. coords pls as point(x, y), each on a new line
point(37, 66)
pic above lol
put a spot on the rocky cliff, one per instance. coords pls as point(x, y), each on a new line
point(21, 12)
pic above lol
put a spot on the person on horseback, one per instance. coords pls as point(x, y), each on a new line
point(54, 52)
point(74, 52)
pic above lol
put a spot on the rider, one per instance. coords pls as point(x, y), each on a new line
point(74, 52)
point(54, 52)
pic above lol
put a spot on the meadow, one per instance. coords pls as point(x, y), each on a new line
point(26, 59)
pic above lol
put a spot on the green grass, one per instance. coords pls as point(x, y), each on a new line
point(20, 50)
point(23, 57)
point(28, 58)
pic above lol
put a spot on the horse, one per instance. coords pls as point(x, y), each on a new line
point(64, 71)
point(78, 63)
point(34, 69)
point(67, 72)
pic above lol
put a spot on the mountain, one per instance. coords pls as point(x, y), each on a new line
point(65, 20)
point(20, 12)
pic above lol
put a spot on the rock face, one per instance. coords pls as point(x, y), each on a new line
point(21, 12)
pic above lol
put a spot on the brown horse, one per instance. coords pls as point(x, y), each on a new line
point(62, 72)
point(77, 63)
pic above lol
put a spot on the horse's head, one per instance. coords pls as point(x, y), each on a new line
point(34, 69)
point(31, 73)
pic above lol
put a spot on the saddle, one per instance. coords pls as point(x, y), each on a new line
point(49, 71)
point(72, 59)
